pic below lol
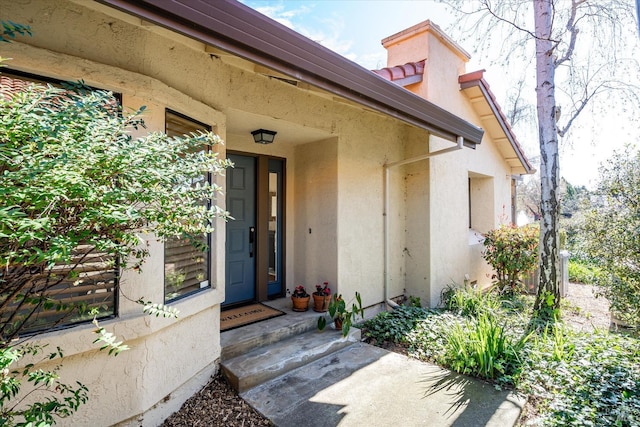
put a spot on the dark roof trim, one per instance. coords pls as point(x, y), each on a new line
point(240, 30)
point(476, 79)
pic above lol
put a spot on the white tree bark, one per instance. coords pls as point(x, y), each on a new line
point(549, 158)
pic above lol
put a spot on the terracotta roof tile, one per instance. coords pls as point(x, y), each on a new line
point(400, 72)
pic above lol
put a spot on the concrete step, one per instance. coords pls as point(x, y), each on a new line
point(269, 361)
point(243, 340)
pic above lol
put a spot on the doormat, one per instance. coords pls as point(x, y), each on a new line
point(242, 316)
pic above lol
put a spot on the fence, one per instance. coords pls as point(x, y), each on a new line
point(532, 279)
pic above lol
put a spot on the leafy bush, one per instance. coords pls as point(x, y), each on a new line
point(11, 29)
point(414, 301)
point(511, 251)
point(611, 231)
point(72, 176)
point(582, 272)
point(62, 399)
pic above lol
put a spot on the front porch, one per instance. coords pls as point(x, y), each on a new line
point(294, 375)
point(258, 352)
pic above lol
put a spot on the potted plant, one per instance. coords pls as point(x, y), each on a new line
point(300, 299)
point(321, 297)
point(342, 318)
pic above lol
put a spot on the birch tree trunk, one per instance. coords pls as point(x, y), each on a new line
point(549, 160)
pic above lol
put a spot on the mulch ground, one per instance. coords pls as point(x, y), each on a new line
point(217, 404)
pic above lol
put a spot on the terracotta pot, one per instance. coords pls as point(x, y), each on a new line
point(300, 304)
point(321, 303)
point(338, 324)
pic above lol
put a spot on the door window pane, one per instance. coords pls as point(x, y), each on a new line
point(276, 279)
point(273, 227)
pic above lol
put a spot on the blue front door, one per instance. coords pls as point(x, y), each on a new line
point(241, 231)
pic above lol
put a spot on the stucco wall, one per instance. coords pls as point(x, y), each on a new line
point(316, 209)
point(417, 220)
point(441, 250)
point(361, 201)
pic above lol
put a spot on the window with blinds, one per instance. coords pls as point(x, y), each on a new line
point(186, 268)
point(34, 299)
point(62, 295)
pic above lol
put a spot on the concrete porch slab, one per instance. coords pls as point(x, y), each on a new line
point(366, 385)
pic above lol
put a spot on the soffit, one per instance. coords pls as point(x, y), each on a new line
point(494, 121)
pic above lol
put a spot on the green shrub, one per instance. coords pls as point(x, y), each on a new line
point(414, 301)
point(582, 272)
point(468, 301)
point(511, 251)
point(623, 294)
point(611, 230)
point(74, 177)
point(481, 347)
point(62, 399)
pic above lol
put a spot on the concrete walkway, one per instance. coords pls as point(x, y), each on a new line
point(363, 385)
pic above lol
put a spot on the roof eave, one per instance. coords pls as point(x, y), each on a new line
point(475, 79)
point(238, 29)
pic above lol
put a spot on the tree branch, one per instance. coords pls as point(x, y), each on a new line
point(573, 29)
point(489, 9)
point(583, 103)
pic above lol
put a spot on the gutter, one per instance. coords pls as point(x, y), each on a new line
point(387, 202)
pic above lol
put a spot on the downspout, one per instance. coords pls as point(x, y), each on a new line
point(387, 203)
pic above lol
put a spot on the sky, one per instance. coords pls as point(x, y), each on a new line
point(355, 28)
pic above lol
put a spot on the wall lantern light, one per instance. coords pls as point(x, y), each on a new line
point(263, 136)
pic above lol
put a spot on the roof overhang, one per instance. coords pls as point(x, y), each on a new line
point(242, 31)
point(494, 121)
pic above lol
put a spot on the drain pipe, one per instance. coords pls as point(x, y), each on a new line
point(387, 202)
